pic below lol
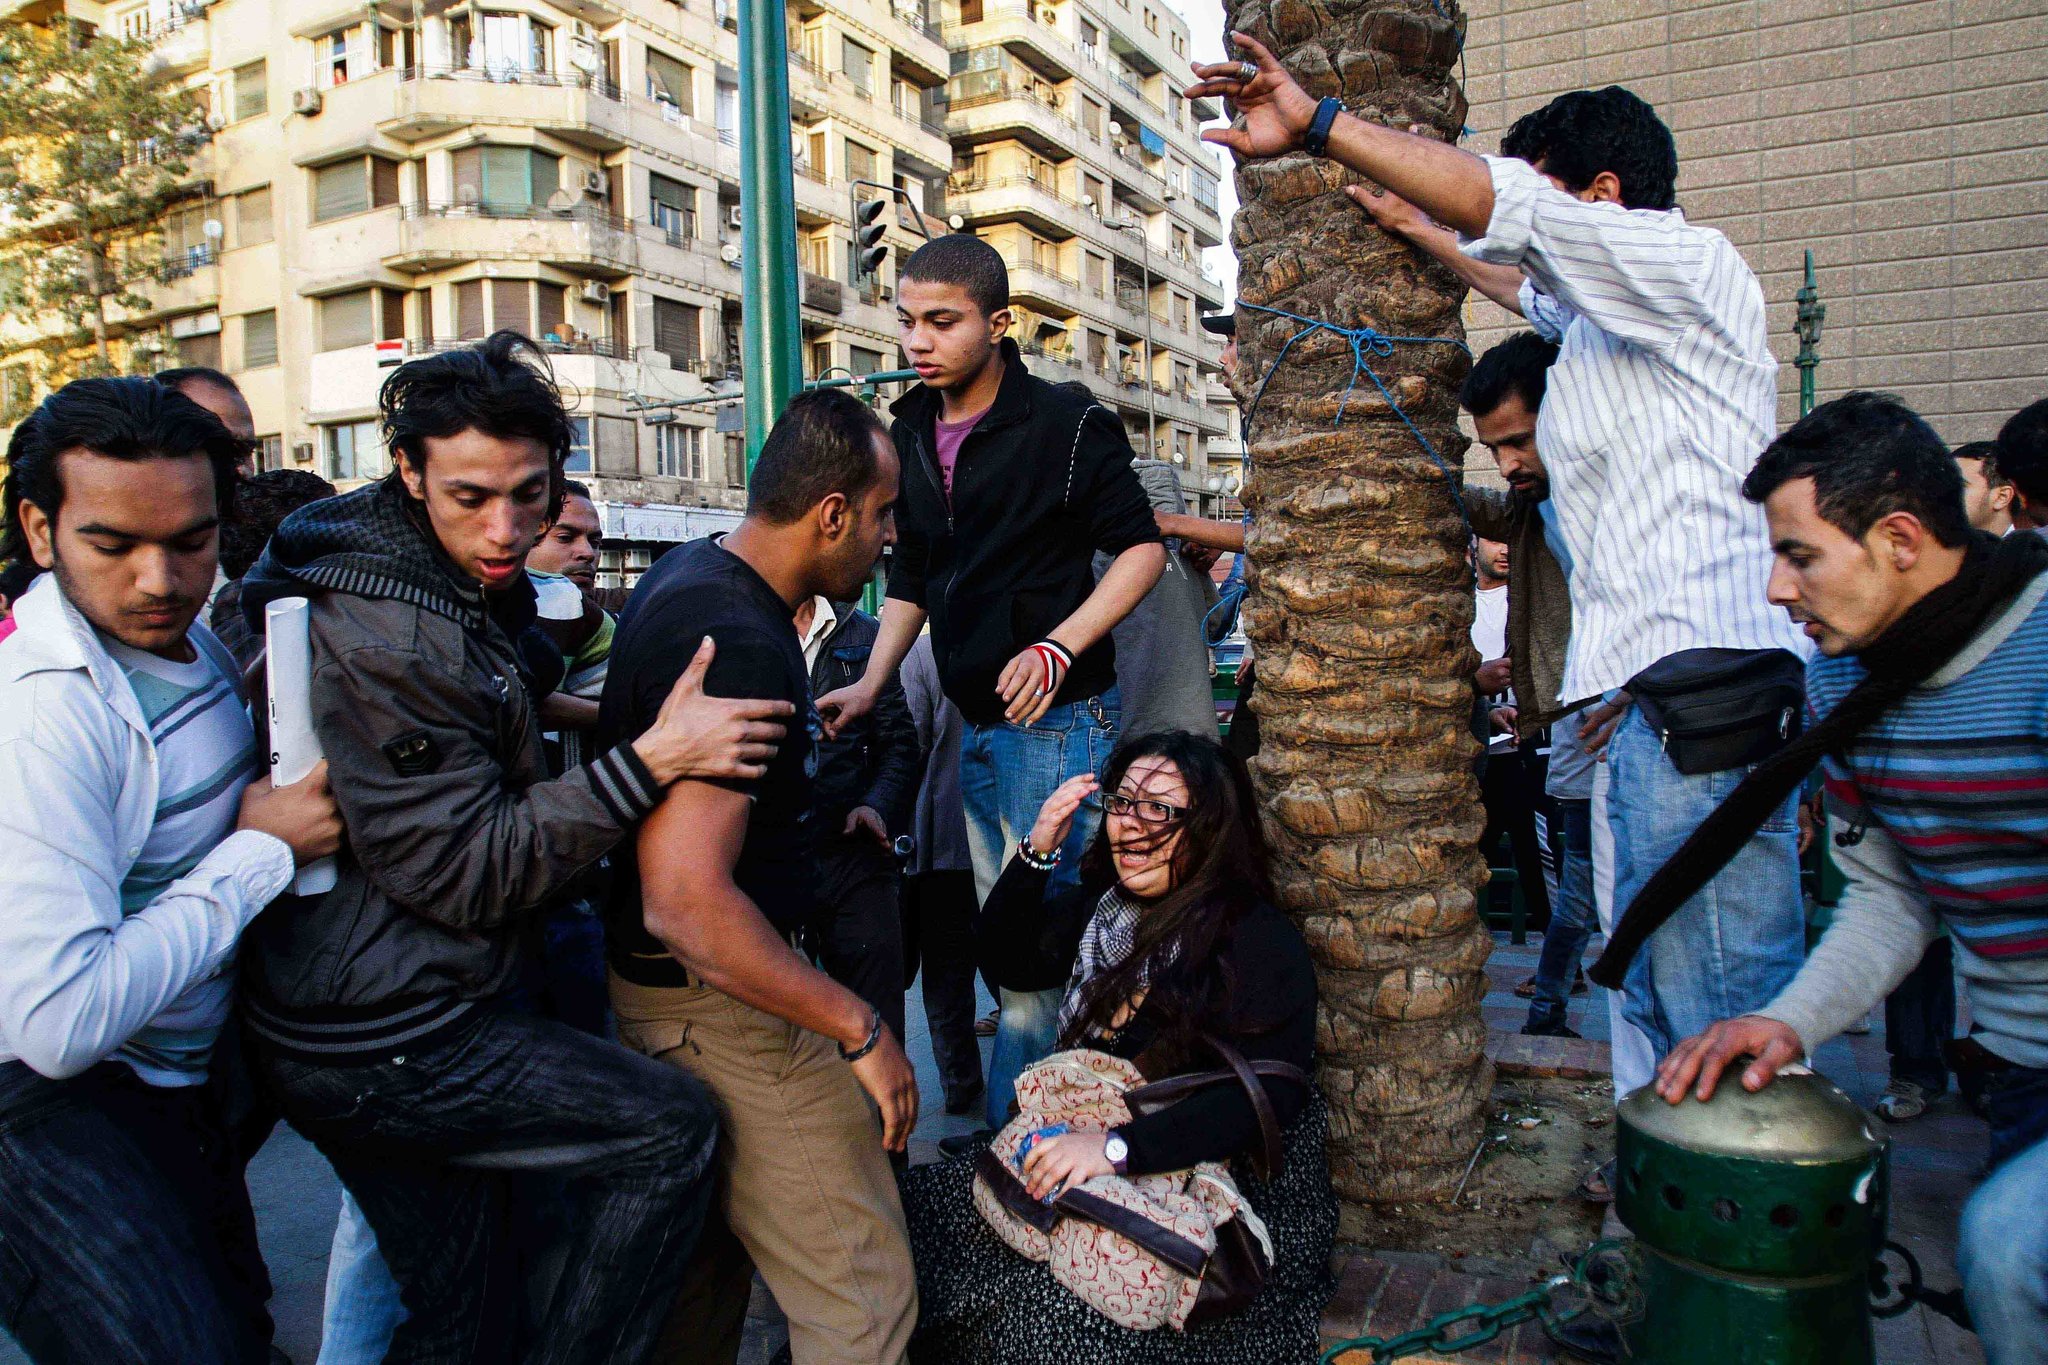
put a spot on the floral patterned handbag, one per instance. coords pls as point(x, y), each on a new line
point(1166, 1250)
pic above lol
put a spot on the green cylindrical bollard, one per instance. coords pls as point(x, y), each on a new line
point(1757, 1217)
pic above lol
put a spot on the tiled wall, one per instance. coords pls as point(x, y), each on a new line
point(1906, 143)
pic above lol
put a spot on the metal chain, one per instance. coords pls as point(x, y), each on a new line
point(1947, 1302)
point(1488, 1321)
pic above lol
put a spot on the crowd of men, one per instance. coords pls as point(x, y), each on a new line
point(604, 1011)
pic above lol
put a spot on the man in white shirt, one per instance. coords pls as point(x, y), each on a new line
point(1662, 395)
point(140, 843)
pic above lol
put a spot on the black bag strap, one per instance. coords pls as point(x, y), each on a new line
point(1158, 1095)
point(1163, 1243)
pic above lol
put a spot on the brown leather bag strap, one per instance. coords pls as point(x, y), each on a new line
point(1156, 1095)
point(1269, 1155)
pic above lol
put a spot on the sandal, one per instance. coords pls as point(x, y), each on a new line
point(1527, 989)
point(1598, 1186)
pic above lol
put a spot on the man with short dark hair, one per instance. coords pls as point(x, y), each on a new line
point(570, 545)
point(706, 974)
point(1664, 391)
point(222, 397)
point(1011, 484)
point(1928, 710)
point(378, 1013)
point(262, 502)
point(1987, 490)
point(2022, 453)
point(140, 844)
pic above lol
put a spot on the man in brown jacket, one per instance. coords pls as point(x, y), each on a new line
point(377, 1011)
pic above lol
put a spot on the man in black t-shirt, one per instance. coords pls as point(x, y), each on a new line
point(704, 973)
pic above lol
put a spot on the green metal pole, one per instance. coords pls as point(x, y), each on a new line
point(1812, 312)
point(771, 341)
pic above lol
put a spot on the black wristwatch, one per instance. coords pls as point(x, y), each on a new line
point(1316, 141)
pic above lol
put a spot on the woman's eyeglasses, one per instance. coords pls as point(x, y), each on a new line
point(1143, 809)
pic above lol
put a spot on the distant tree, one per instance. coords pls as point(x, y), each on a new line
point(93, 147)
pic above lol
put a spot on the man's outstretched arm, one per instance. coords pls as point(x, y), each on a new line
point(1450, 185)
point(901, 623)
point(687, 849)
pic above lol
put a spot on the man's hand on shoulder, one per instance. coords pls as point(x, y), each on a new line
point(710, 738)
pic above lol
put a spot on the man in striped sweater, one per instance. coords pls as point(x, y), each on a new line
point(1942, 800)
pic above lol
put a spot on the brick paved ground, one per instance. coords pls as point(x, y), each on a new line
point(1935, 1164)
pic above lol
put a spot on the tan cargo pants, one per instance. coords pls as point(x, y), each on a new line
point(804, 1185)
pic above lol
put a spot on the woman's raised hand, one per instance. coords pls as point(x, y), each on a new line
point(1056, 816)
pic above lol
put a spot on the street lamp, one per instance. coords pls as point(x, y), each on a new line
point(1151, 391)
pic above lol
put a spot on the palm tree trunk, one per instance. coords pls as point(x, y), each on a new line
point(1359, 608)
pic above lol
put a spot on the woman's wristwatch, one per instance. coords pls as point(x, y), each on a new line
point(1116, 1151)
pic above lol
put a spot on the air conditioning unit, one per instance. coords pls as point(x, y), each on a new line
point(306, 101)
point(733, 218)
point(596, 291)
point(597, 181)
point(1048, 15)
point(302, 452)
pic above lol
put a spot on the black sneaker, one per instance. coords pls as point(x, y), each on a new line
point(1550, 1031)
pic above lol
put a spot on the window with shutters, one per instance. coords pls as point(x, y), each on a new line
point(390, 314)
point(348, 319)
point(1098, 350)
point(259, 339)
point(678, 333)
point(469, 310)
point(503, 44)
point(1096, 193)
point(340, 190)
point(200, 350)
point(672, 205)
point(970, 11)
point(1204, 186)
point(669, 82)
point(353, 451)
point(858, 63)
point(1094, 271)
point(861, 360)
point(252, 217)
point(269, 453)
point(860, 161)
point(551, 310)
point(512, 305)
point(679, 451)
point(505, 178)
point(1091, 120)
point(1091, 40)
point(383, 182)
point(251, 90)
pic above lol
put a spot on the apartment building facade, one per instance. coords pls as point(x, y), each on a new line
point(1901, 141)
point(382, 181)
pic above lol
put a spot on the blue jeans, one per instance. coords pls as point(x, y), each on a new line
point(1572, 919)
point(362, 1308)
point(1006, 772)
point(2002, 1252)
point(429, 1142)
point(1736, 943)
point(125, 1228)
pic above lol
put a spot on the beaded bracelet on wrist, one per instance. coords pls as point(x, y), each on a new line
point(874, 1037)
point(1036, 861)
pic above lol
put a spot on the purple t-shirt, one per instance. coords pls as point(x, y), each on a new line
point(950, 435)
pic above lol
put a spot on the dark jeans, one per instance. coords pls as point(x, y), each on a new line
point(938, 926)
point(428, 1141)
point(1920, 1016)
point(859, 929)
point(564, 973)
point(125, 1230)
point(1512, 788)
point(1572, 919)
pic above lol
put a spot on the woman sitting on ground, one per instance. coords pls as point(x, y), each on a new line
point(1171, 935)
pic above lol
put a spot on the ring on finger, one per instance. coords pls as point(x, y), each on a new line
point(1247, 72)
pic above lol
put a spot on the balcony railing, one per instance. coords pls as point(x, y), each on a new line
point(913, 18)
point(553, 343)
point(509, 75)
point(971, 183)
point(173, 266)
point(590, 214)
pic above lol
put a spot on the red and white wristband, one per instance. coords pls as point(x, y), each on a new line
point(1057, 661)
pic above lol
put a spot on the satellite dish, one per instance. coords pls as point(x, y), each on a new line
point(1115, 129)
point(956, 222)
point(730, 253)
point(214, 229)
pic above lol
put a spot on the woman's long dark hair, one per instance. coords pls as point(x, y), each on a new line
point(1220, 872)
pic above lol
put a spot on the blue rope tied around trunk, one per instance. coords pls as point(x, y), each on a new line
point(1367, 343)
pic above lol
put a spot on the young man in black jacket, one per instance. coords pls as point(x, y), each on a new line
point(377, 1012)
point(1010, 486)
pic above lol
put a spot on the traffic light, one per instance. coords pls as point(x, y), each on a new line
point(869, 251)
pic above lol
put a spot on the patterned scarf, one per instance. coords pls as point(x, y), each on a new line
point(1111, 934)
